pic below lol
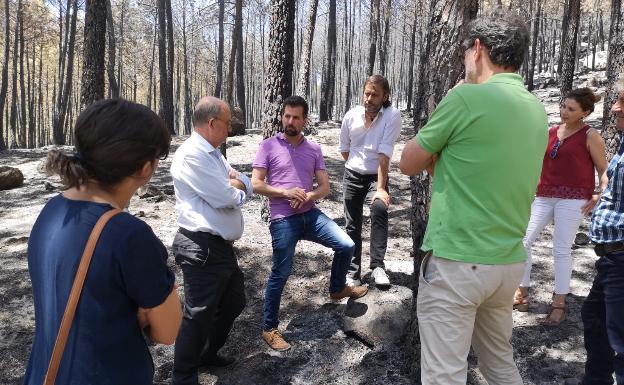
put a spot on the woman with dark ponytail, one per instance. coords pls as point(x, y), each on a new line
point(128, 288)
point(565, 193)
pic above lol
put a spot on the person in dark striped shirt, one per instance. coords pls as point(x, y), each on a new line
point(603, 310)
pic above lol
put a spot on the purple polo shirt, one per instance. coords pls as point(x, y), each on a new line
point(287, 167)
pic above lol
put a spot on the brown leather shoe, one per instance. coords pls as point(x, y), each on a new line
point(349, 291)
point(275, 340)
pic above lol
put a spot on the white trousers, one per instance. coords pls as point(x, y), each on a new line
point(567, 216)
point(461, 304)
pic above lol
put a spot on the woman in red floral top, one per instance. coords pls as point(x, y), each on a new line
point(565, 194)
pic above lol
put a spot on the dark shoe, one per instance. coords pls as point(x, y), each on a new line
point(219, 361)
point(349, 291)
point(275, 340)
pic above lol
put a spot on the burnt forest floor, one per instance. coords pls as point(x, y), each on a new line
point(357, 342)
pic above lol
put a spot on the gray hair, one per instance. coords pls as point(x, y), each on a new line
point(207, 108)
point(505, 37)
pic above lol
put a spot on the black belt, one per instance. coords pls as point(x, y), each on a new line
point(609, 248)
point(205, 234)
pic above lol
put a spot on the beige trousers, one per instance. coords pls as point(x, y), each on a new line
point(460, 304)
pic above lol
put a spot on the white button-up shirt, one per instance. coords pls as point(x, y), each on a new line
point(205, 200)
point(365, 144)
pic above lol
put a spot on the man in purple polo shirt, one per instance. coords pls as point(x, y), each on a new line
point(284, 170)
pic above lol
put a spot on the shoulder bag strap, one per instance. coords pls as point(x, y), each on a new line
point(74, 296)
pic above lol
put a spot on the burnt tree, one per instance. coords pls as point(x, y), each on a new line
point(280, 64)
point(166, 71)
point(5, 72)
point(615, 69)
point(303, 83)
point(329, 74)
point(569, 46)
point(219, 71)
point(374, 30)
point(94, 52)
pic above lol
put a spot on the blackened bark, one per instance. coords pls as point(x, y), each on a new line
point(374, 28)
point(615, 69)
point(170, 60)
point(13, 109)
point(536, 26)
point(329, 75)
point(65, 84)
point(219, 83)
point(383, 47)
point(166, 92)
point(188, 100)
point(412, 59)
point(280, 63)
point(113, 88)
point(240, 70)
point(4, 86)
point(569, 47)
point(236, 31)
point(94, 53)
point(303, 83)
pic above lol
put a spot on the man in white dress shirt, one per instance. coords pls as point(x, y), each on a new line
point(209, 195)
point(367, 140)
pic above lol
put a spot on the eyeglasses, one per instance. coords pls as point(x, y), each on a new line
point(553, 152)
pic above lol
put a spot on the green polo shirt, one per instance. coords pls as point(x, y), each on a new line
point(491, 139)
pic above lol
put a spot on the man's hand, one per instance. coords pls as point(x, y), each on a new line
point(383, 195)
point(238, 184)
point(233, 174)
point(295, 203)
point(296, 193)
point(589, 205)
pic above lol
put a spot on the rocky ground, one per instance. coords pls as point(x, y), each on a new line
point(357, 342)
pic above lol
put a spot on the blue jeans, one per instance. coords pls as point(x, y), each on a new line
point(603, 323)
point(312, 226)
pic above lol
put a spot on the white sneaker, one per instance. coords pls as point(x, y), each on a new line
point(380, 277)
point(353, 282)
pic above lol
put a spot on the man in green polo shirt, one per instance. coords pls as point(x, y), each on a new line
point(485, 143)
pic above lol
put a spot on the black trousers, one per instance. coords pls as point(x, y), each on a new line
point(603, 322)
point(214, 295)
point(359, 190)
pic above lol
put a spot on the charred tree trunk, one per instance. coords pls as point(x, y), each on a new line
point(383, 47)
point(113, 88)
point(13, 112)
point(329, 75)
point(280, 64)
point(442, 50)
point(188, 99)
point(303, 83)
point(94, 53)
point(615, 69)
point(5, 72)
point(240, 69)
point(65, 83)
point(535, 37)
point(236, 30)
point(412, 57)
point(219, 82)
point(569, 47)
point(22, 110)
point(374, 30)
point(166, 91)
